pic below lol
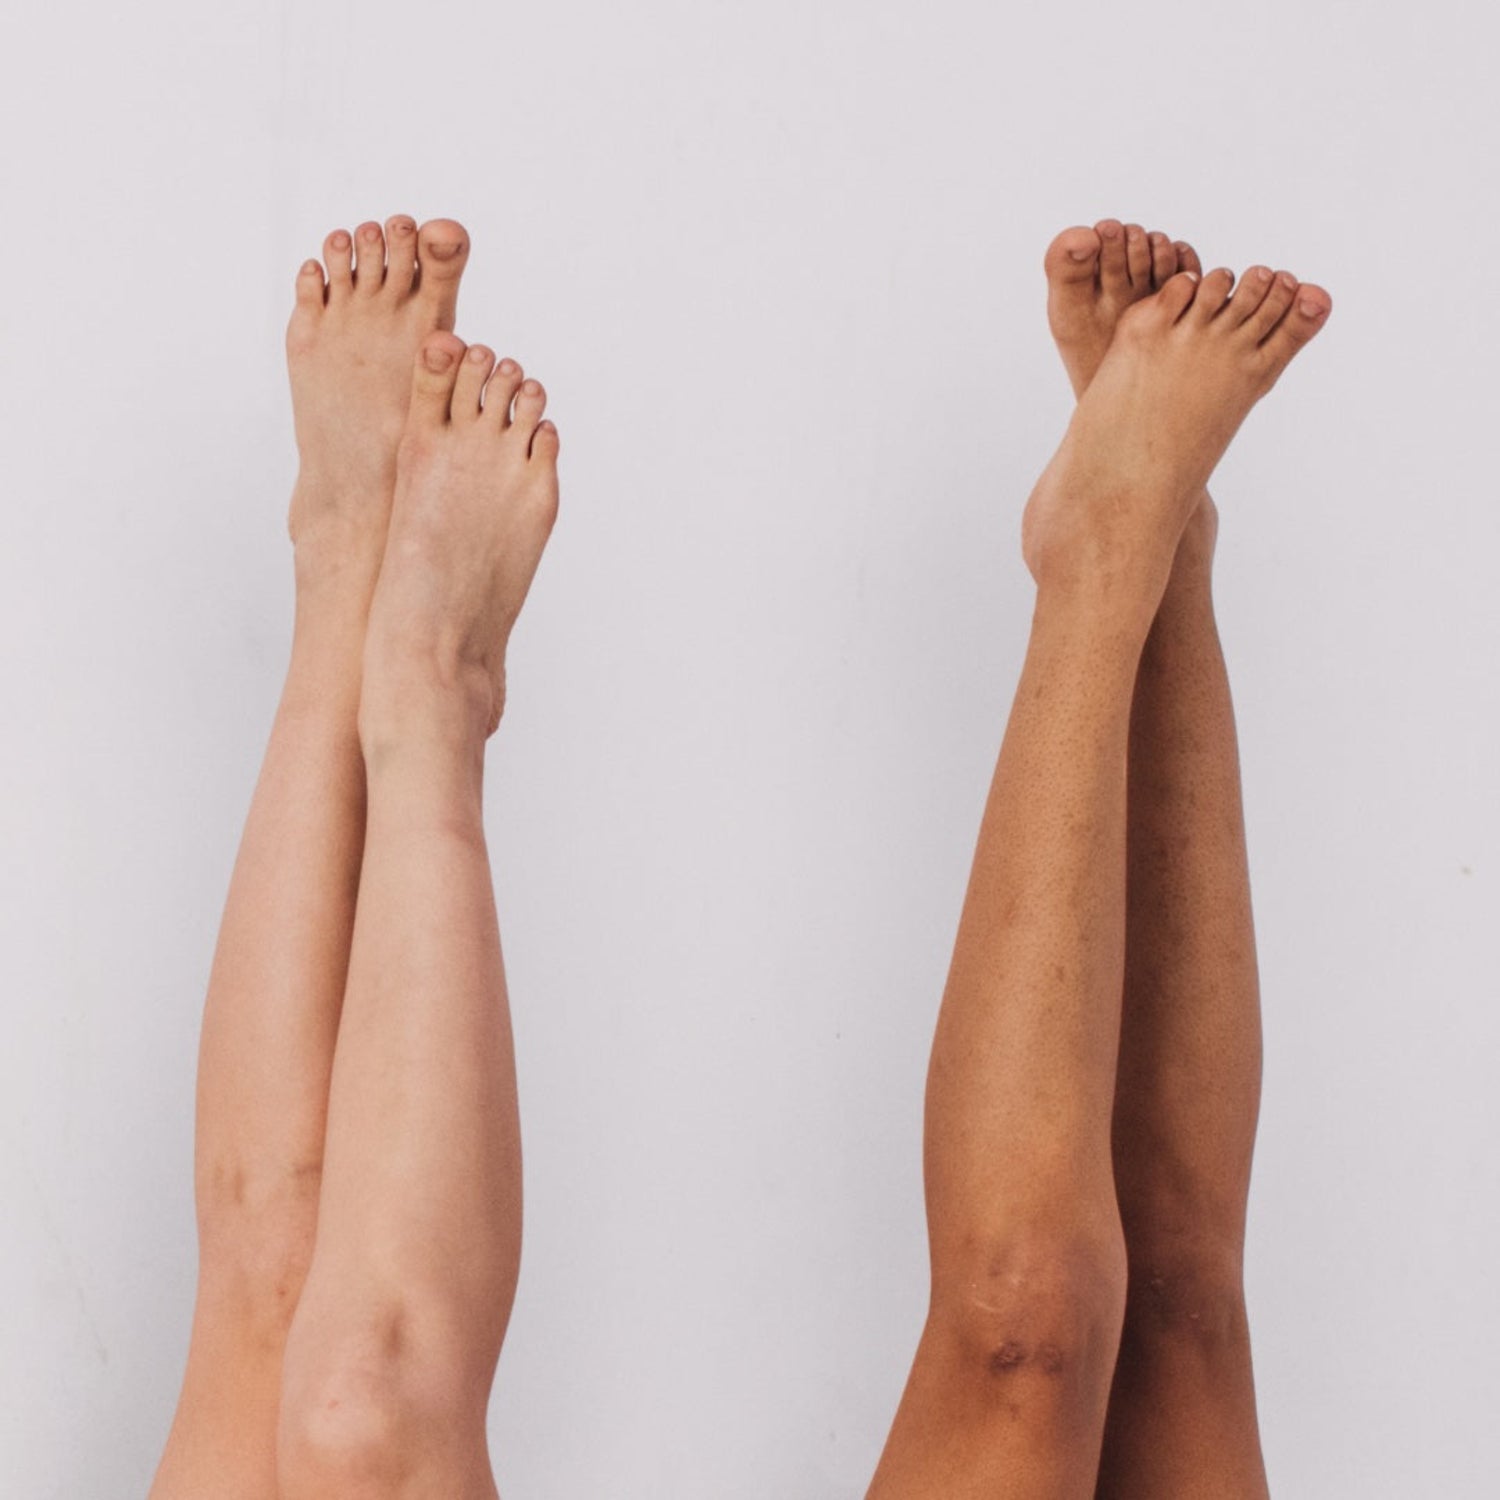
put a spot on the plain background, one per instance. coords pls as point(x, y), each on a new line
point(779, 265)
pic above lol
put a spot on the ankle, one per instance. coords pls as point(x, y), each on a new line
point(416, 699)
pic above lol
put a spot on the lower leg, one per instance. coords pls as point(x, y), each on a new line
point(277, 981)
point(1182, 1418)
point(394, 1345)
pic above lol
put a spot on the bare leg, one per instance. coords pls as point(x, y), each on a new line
point(1008, 1392)
point(277, 981)
point(393, 1349)
point(1182, 1418)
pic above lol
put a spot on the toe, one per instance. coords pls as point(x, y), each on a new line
point(1163, 259)
point(530, 403)
point(1179, 294)
point(501, 391)
point(1258, 285)
point(1114, 274)
point(1187, 258)
point(1073, 256)
point(369, 264)
point(474, 369)
point(432, 380)
point(400, 254)
point(1138, 257)
point(1213, 293)
point(308, 306)
point(338, 256)
point(545, 443)
point(442, 253)
point(1304, 318)
point(1276, 296)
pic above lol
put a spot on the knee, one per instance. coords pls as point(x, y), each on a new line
point(255, 1246)
point(366, 1403)
point(1186, 1293)
point(1044, 1307)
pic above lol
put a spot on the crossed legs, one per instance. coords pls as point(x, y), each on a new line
point(356, 1093)
point(1085, 1187)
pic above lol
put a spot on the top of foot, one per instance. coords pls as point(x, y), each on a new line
point(476, 496)
point(360, 315)
point(1093, 275)
point(1186, 365)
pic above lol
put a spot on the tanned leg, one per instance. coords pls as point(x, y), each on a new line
point(1182, 1418)
point(1182, 1415)
point(1007, 1396)
point(277, 980)
point(393, 1349)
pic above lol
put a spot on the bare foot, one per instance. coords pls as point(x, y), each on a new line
point(476, 497)
point(350, 344)
point(1093, 275)
point(1185, 366)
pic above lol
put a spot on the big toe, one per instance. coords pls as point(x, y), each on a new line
point(442, 254)
point(1073, 257)
point(437, 367)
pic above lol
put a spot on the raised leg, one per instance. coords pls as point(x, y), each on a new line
point(277, 980)
point(393, 1348)
point(1181, 1418)
point(1008, 1392)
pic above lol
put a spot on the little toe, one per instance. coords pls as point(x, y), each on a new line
point(1302, 321)
point(1163, 259)
point(545, 443)
point(338, 256)
point(474, 369)
point(369, 263)
point(1073, 256)
point(308, 307)
point(400, 254)
point(1255, 301)
point(432, 380)
point(1213, 293)
point(501, 391)
point(1138, 257)
point(1187, 258)
point(530, 403)
point(1114, 273)
point(442, 253)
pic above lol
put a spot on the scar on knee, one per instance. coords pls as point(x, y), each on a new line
point(1012, 1355)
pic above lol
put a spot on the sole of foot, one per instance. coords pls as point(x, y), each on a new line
point(476, 499)
point(1180, 374)
point(359, 317)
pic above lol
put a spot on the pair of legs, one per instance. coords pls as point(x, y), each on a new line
point(1094, 1083)
point(356, 1271)
point(358, 1170)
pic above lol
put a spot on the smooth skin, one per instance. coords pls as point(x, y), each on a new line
point(1085, 1201)
point(272, 1202)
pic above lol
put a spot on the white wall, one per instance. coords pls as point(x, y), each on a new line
point(779, 265)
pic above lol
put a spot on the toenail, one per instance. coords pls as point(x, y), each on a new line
point(447, 250)
point(437, 358)
point(341, 241)
point(311, 268)
point(1111, 231)
point(1133, 235)
point(404, 227)
point(1080, 254)
point(1287, 279)
point(1311, 309)
point(532, 388)
point(477, 356)
point(371, 234)
point(1261, 274)
point(508, 367)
